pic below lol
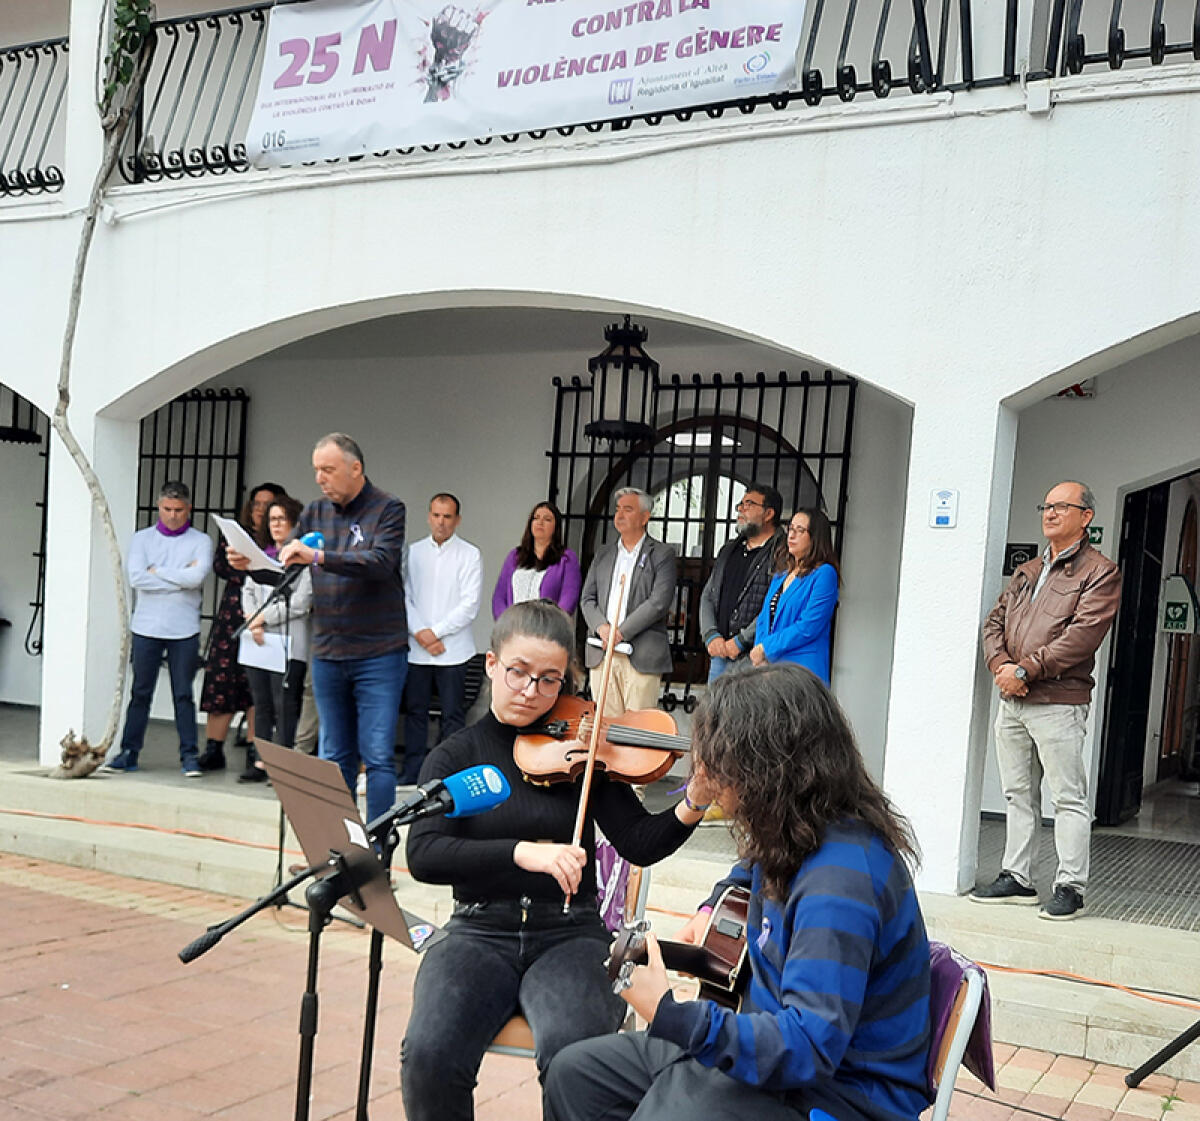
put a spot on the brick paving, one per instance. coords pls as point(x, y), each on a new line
point(98, 1018)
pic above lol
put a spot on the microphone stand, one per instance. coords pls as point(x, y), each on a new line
point(322, 896)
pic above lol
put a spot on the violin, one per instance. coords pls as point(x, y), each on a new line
point(637, 747)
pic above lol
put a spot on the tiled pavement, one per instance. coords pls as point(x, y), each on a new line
point(98, 1018)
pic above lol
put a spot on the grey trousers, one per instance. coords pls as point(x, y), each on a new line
point(630, 1075)
point(1032, 740)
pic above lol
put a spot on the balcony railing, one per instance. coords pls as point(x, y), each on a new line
point(203, 79)
point(33, 84)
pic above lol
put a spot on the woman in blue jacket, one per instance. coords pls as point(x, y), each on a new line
point(793, 625)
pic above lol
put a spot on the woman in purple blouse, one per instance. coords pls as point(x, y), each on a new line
point(541, 567)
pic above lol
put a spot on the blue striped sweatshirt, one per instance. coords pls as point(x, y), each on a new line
point(836, 1015)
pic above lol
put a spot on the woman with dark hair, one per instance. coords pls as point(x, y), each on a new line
point(226, 691)
point(836, 1013)
point(797, 613)
point(512, 945)
point(541, 567)
point(277, 694)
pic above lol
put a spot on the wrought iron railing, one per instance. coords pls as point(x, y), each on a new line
point(202, 83)
point(33, 84)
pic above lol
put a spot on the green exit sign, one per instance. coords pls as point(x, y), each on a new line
point(1095, 534)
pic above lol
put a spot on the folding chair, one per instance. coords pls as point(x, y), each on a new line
point(961, 1025)
point(516, 1037)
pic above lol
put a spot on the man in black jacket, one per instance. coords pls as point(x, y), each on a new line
point(733, 596)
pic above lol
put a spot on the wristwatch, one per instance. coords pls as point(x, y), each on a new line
point(1021, 673)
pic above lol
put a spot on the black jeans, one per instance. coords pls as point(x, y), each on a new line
point(488, 964)
point(277, 701)
point(634, 1076)
point(418, 694)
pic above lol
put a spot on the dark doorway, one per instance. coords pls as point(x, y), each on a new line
point(1131, 663)
point(1179, 708)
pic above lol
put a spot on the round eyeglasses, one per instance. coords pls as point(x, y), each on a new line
point(518, 679)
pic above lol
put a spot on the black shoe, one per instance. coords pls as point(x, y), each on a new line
point(253, 774)
point(1005, 888)
point(1066, 904)
point(213, 758)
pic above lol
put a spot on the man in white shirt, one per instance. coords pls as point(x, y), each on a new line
point(445, 577)
point(643, 651)
point(167, 564)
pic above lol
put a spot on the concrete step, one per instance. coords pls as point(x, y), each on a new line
point(214, 835)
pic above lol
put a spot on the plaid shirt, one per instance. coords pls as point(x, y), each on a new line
point(358, 593)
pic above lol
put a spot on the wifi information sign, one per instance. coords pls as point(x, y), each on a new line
point(943, 508)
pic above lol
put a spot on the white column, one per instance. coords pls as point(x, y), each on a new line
point(79, 667)
point(940, 690)
point(85, 138)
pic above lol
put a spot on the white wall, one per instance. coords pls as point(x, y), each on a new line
point(22, 469)
point(29, 21)
point(1139, 429)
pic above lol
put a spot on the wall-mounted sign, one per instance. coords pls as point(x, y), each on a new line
point(943, 508)
point(1177, 612)
point(1095, 534)
point(1016, 553)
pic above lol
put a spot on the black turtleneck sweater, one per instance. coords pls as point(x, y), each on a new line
point(475, 854)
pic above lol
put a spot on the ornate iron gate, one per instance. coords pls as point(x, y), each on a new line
point(714, 435)
point(199, 439)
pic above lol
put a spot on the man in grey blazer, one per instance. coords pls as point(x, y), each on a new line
point(643, 652)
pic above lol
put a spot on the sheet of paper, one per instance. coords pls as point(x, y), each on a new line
point(272, 655)
point(620, 648)
point(240, 540)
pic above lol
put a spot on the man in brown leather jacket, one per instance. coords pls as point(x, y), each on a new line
point(1040, 642)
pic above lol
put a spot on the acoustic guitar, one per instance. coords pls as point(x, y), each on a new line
point(718, 961)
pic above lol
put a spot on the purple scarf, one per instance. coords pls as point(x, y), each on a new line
point(173, 532)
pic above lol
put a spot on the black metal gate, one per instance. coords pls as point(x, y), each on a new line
point(199, 439)
point(714, 436)
point(22, 422)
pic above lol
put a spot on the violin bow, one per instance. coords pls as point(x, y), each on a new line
point(597, 721)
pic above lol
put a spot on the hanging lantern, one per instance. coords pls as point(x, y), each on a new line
point(624, 379)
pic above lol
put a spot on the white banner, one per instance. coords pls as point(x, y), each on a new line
point(343, 77)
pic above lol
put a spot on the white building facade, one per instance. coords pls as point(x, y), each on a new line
point(964, 254)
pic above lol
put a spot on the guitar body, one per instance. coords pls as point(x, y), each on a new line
point(718, 962)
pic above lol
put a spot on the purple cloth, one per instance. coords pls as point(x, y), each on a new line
point(946, 969)
point(612, 883)
point(173, 532)
point(561, 583)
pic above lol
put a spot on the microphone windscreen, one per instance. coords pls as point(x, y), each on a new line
point(476, 790)
point(313, 540)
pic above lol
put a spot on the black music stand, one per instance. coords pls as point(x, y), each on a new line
point(345, 868)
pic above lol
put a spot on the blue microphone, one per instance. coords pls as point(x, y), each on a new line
point(476, 790)
point(464, 794)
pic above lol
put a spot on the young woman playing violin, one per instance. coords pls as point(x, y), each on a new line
point(836, 1014)
point(513, 944)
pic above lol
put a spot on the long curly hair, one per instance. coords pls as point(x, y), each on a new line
point(526, 552)
point(776, 738)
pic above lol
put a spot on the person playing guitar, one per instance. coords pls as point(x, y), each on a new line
point(835, 1014)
